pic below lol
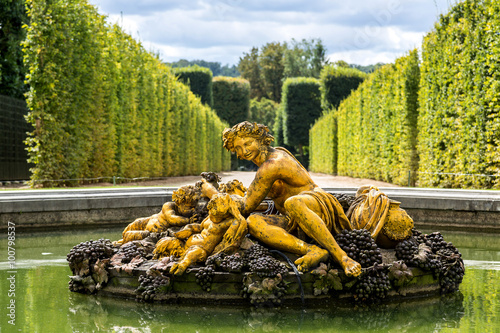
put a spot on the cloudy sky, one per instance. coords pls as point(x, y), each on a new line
point(358, 31)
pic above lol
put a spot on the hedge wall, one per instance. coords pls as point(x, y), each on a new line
point(199, 79)
point(337, 83)
point(460, 98)
point(301, 105)
point(101, 105)
point(377, 124)
point(323, 144)
point(231, 99)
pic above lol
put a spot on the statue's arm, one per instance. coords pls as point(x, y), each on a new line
point(171, 216)
point(259, 188)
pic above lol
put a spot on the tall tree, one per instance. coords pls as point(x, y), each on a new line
point(305, 58)
point(272, 69)
point(249, 68)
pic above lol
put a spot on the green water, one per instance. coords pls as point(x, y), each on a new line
point(43, 302)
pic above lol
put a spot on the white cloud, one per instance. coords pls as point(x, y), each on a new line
point(221, 30)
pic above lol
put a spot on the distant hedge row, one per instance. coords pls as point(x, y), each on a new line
point(101, 105)
point(459, 125)
point(199, 80)
point(231, 99)
point(323, 144)
point(300, 107)
point(375, 126)
point(336, 84)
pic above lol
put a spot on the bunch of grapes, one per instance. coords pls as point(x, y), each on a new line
point(256, 251)
point(261, 261)
point(271, 299)
point(91, 250)
point(374, 284)
point(150, 285)
point(452, 275)
point(359, 246)
point(267, 266)
point(232, 263)
point(204, 277)
point(345, 200)
point(130, 251)
point(406, 251)
point(443, 260)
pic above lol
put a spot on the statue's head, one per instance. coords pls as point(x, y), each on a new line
point(248, 140)
point(186, 198)
point(246, 129)
point(218, 207)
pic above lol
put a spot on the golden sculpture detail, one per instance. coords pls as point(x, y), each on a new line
point(222, 231)
point(178, 212)
point(307, 213)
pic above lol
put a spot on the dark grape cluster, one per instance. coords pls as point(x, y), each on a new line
point(150, 285)
point(256, 251)
point(129, 251)
point(345, 200)
point(373, 284)
point(263, 299)
point(204, 277)
point(91, 250)
point(406, 251)
point(267, 266)
point(452, 275)
point(233, 263)
point(359, 246)
point(437, 243)
point(432, 253)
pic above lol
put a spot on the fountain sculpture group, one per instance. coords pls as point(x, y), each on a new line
point(283, 226)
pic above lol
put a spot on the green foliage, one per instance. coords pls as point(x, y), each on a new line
point(268, 68)
point(337, 83)
point(271, 64)
point(231, 99)
point(304, 58)
point(263, 111)
point(199, 80)
point(377, 125)
point(301, 107)
point(12, 71)
point(323, 144)
point(101, 105)
point(459, 123)
point(216, 67)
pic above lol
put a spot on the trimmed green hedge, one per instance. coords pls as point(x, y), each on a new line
point(377, 124)
point(102, 106)
point(231, 99)
point(337, 83)
point(301, 103)
point(199, 80)
point(323, 144)
point(460, 98)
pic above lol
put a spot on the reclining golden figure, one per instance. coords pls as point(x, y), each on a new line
point(305, 208)
point(175, 213)
point(222, 231)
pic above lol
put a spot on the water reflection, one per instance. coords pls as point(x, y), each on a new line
point(44, 303)
point(425, 315)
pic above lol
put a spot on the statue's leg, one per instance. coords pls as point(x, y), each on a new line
point(270, 230)
point(193, 254)
point(305, 210)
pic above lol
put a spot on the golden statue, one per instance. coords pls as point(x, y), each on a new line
point(306, 209)
point(222, 231)
point(175, 213)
